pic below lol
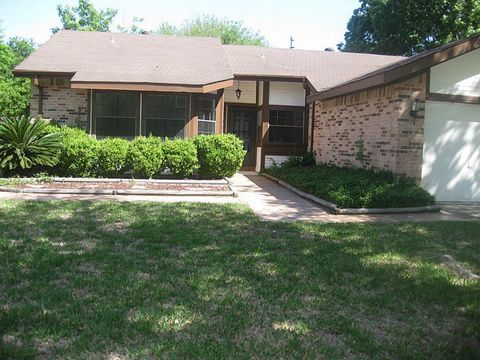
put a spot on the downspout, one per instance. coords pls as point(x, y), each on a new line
point(312, 130)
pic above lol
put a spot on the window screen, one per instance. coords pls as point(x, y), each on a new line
point(286, 126)
point(206, 116)
point(115, 114)
point(165, 115)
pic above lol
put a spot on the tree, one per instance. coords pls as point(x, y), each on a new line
point(21, 47)
point(14, 92)
point(406, 27)
point(229, 31)
point(135, 27)
point(85, 17)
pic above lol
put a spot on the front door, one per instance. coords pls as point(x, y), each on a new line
point(241, 122)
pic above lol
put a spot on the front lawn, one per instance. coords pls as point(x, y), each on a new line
point(147, 280)
point(354, 188)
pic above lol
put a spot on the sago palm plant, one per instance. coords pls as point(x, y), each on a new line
point(26, 143)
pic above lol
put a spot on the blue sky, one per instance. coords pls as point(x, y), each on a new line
point(314, 24)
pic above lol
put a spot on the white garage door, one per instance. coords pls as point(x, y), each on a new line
point(451, 152)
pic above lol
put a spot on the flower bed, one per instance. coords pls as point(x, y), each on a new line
point(354, 188)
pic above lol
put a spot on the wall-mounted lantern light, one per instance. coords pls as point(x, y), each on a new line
point(414, 108)
point(238, 92)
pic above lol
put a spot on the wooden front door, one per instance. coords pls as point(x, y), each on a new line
point(241, 122)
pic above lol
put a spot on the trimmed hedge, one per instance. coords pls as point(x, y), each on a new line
point(112, 157)
point(219, 155)
point(180, 157)
point(208, 156)
point(354, 188)
point(79, 155)
point(145, 156)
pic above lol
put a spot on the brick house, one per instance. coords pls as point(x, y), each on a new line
point(417, 116)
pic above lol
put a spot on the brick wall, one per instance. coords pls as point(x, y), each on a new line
point(380, 119)
point(61, 104)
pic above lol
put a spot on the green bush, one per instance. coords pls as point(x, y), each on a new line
point(79, 156)
point(354, 188)
point(112, 157)
point(180, 157)
point(145, 157)
point(25, 144)
point(219, 155)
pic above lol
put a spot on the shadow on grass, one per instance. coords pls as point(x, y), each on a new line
point(138, 280)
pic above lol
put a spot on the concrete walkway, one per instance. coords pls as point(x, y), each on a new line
point(271, 201)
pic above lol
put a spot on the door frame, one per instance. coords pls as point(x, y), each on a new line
point(254, 108)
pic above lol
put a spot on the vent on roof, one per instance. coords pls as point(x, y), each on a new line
point(329, 49)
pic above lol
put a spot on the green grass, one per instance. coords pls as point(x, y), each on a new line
point(354, 188)
point(144, 280)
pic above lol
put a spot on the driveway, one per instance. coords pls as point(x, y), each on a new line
point(271, 201)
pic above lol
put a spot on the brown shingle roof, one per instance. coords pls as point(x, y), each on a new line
point(323, 69)
point(151, 59)
point(401, 69)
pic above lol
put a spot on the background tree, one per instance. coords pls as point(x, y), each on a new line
point(229, 31)
point(406, 27)
point(85, 17)
point(14, 92)
point(134, 28)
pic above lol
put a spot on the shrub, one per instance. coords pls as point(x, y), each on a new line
point(112, 156)
point(25, 143)
point(180, 157)
point(349, 187)
point(145, 156)
point(79, 155)
point(219, 155)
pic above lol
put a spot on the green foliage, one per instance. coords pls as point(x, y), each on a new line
point(112, 156)
point(14, 92)
point(84, 17)
point(349, 187)
point(145, 156)
point(307, 159)
point(409, 26)
point(80, 153)
point(25, 144)
point(180, 156)
point(219, 155)
point(134, 28)
point(229, 31)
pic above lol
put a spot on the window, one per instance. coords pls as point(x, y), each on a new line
point(286, 126)
point(206, 115)
point(115, 114)
point(165, 115)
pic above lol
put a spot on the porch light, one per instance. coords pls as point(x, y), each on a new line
point(238, 92)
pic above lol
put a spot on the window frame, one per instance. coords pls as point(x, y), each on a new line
point(115, 92)
point(186, 107)
point(213, 99)
point(301, 109)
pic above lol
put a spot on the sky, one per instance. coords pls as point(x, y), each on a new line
point(314, 24)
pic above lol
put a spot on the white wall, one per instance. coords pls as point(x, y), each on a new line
point(458, 76)
point(270, 160)
point(249, 93)
point(451, 152)
point(287, 93)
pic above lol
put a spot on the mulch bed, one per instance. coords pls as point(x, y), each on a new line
point(120, 186)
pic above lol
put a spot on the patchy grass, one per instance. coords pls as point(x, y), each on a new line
point(145, 280)
point(352, 187)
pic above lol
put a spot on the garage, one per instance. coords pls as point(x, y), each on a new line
point(451, 151)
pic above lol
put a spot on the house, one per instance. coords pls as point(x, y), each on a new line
point(417, 116)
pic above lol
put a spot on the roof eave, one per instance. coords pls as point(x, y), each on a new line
point(403, 71)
